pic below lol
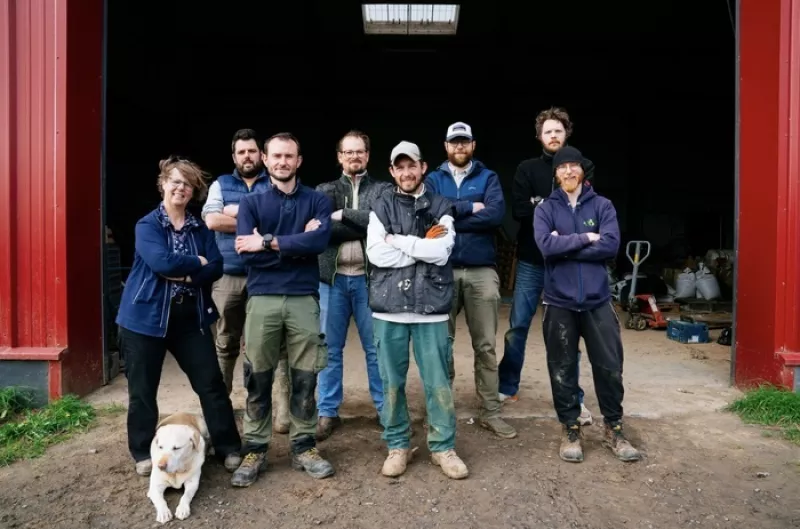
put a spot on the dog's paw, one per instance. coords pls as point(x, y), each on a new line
point(163, 515)
point(183, 511)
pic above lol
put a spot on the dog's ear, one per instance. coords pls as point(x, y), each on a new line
point(195, 440)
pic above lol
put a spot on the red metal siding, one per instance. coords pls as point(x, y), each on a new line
point(50, 126)
point(768, 257)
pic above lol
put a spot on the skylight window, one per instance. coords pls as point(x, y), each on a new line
point(410, 19)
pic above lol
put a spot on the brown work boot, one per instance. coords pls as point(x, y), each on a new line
point(451, 464)
point(499, 427)
point(571, 449)
point(622, 448)
point(313, 463)
point(326, 426)
point(247, 473)
point(280, 399)
point(396, 462)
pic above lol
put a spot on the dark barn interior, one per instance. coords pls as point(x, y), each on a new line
point(650, 88)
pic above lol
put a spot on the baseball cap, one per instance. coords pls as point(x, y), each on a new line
point(405, 148)
point(459, 129)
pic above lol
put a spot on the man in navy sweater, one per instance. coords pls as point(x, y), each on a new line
point(577, 232)
point(478, 199)
point(280, 234)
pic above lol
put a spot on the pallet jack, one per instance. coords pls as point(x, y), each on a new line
point(643, 311)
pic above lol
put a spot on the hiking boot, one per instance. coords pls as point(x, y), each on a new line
point(312, 463)
point(585, 418)
point(232, 461)
point(253, 464)
point(451, 464)
point(619, 445)
point(571, 449)
point(396, 462)
point(326, 426)
point(144, 467)
point(499, 427)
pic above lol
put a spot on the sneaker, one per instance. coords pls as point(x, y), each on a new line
point(585, 418)
point(508, 398)
point(144, 467)
point(615, 441)
point(450, 463)
point(571, 449)
point(232, 461)
point(499, 427)
point(312, 463)
point(326, 426)
point(396, 462)
point(252, 465)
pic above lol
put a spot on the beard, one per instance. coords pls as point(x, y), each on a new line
point(459, 159)
point(552, 148)
point(410, 187)
point(283, 178)
point(252, 172)
point(571, 185)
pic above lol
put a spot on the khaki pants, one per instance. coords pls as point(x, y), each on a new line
point(229, 294)
point(271, 320)
point(477, 291)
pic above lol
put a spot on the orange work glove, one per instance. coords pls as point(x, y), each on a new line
point(436, 231)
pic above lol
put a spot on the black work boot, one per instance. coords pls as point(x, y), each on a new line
point(312, 463)
point(253, 464)
point(571, 449)
point(326, 426)
point(615, 440)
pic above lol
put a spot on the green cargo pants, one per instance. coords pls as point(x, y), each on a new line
point(271, 320)
point(477, 291)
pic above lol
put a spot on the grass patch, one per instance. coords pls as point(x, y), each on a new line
point(771, 406)
point(14, 400)
point(32, 431)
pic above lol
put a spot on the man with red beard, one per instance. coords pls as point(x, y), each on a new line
point(533, 182)
point(480, 207)
point(577, 232)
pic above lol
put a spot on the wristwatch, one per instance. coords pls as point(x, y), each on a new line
point(267, 240)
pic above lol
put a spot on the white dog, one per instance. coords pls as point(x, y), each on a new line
point(178, 451)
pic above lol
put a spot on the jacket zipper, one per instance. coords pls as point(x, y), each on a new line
point(166, 304)
point(199, 291)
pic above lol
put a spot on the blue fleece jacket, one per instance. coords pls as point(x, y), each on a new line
point(575, 270)
point(293, 270)
point(145, 303)
point(475, 232)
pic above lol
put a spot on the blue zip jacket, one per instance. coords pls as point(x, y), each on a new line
point(475, 244)
point(145, 303)
point(294, 269)
point(575, 270)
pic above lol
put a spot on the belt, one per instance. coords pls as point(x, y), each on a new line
point(180, 299)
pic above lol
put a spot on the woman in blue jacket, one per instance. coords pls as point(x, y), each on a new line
point(166, 305)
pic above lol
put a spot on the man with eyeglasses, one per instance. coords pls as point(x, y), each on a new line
point(480, 207)
point(577, 231)
point(343, 280)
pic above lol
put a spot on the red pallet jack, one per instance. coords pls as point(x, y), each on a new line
point(643, 311)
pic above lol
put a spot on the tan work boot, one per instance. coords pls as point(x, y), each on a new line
point(499, 427)
point(396, 462)
point(280, 398)
point(571, 449)
point(622, 448)
point(451, 464)
point(144, 467)
point(227, 365)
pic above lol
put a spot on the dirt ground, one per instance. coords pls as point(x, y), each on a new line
point(703, 467)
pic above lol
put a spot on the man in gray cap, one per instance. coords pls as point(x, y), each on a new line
point(409, 239)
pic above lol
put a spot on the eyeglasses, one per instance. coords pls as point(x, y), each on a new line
point(352, 154)
point(571, 166)
point(175, 184)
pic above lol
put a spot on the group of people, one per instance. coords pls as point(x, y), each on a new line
point(277, 269)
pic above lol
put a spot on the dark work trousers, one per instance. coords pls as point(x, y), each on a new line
point(599, 329)
point(196, 356)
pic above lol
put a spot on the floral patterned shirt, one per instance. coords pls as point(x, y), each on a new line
point(180, 245)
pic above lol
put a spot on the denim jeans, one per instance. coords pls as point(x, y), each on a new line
point(432, 351)
point(348, 296)
point(528, 286)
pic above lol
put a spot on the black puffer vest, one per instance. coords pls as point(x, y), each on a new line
point(421, 288)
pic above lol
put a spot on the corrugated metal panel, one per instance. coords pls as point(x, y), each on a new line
point(50, 132)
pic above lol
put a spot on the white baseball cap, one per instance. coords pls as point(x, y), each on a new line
point(405, 148)
point(459, 129)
